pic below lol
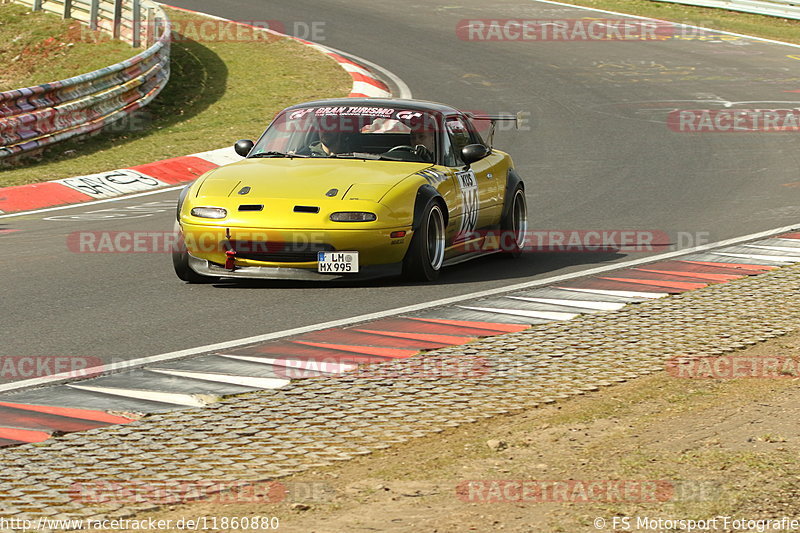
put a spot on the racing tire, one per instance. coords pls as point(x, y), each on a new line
point(425, 255)
point(514, 225)
point(180, 262)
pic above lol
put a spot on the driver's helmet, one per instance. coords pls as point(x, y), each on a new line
point(332, 132)
point(423, 132)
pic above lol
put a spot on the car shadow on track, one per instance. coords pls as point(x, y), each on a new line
point(484, 269)
point(499, 266)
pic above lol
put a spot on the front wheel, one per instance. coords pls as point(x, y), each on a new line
point(425, 255)
point(180, 262)
point(514, 226)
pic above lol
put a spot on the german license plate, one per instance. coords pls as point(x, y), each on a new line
point(337, 262)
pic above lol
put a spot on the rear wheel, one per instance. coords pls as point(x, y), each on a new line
point(425, 255)
point(514, 226)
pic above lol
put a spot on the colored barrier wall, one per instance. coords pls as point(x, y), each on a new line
point(41, 115)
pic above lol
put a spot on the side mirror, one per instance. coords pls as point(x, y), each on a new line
point(474, 152)
point(243, 147)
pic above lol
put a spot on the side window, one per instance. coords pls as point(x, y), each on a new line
point(458, 136)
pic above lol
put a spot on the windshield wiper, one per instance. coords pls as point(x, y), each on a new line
point(384, 157)
point(357, 155)
point(272, 153)
point(269, 154)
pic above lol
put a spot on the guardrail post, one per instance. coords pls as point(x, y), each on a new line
point(94, 9)
point(117, 20)
point(136, 24)
point(67, 9)
point(37, 5)
point(150, 30)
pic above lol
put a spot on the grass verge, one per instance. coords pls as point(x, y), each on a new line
point(39, 47)
point(220, 90)
point(717, 19)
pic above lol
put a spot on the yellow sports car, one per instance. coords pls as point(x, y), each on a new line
point(353, 187)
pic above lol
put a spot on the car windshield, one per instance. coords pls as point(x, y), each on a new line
point(356, 132)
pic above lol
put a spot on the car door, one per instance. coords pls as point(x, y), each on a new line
point(479, 186)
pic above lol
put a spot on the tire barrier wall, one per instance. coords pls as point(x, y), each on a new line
point(42, 115)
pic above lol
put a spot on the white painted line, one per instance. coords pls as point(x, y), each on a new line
point(667, 22)
point(544, 315)
point(190, 400)
point(756, 257)
point(584, 304)
point(314, 365)
point(552, 280)
point(784, 239)
point(774, 248)
point(621, 294)
point(244, 381)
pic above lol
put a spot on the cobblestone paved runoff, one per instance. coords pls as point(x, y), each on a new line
point(266, 435)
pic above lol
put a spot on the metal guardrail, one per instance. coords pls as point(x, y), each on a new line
point(789, 9)
point(41, 115)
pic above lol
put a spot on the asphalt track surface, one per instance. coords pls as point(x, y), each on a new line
point(598, 156)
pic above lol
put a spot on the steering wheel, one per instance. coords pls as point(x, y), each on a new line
point(404, 147)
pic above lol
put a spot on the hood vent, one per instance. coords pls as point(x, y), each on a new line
point(306, 209)
point(251, 207)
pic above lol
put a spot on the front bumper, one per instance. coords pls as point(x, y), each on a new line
point(207, 268)
point(374, 245)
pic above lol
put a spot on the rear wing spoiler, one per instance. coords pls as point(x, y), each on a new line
point(517, 118)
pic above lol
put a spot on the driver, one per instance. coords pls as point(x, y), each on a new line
point(330, 143)
point(423, 139)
